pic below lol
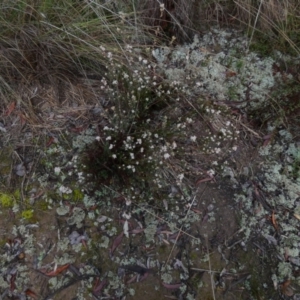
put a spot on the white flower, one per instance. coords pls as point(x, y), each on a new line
point(132, 155)
point(114, 156)
point(139, 141)
point(111, 146)
point(180, 177)
point(108, 138)
point(174, 145)
point(97, 138)
point(211, 173)
point(193, 138)
point(166, 155)
point(234, 148)
point(217, 150)
point(57, 170)
point(65, 190)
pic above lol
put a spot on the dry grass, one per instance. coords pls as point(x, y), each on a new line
point(277, 20)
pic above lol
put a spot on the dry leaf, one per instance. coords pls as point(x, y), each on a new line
point(203, 180)
point(10, 108)
point(174, 286)
point(31, 294)
point(58, 270)
point(50, 141)
point(116, 243)
point(99, 285)
point(230, 73)
point(286, 289)
point(274, 222)
point(297, 216)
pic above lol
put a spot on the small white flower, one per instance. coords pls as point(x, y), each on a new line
point(180, 177)
point(111, 146)
point(234, 148)
point(57, 170)
point(114, 156)
point(193, 138)
point(65, 190)
point(132, 155)
point(211, 173)
point(142, 150)
point(217, 150)
point(166, 155)
point(139, 141)
point(108, 138)
point(189, 120)
point(174, 145)
point(126, 216)
point(97, 138)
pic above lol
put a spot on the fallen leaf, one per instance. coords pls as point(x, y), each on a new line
point(297, 216)
point(274, 222)
point(137, 269)
point(203, 180)
point(132, 279)
point(50, 141)
point(12, 282)
point(137, 230)
point(117, 241)
point(31, 294)
point(22, 119)
point(165, 241)
point(230, 73)
point(99, 285)
point(10, 108)
point(58, 270)
point(196, 211)
point(174, 286)
point(286, 289)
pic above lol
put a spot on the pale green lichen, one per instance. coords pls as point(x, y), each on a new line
point(78, 215)
point(166, 277)
point(63, 210)
point(63, 244)
point(150, 232)
point(104, 242)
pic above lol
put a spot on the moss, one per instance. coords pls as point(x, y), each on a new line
point(27, 214)
point(7, 200)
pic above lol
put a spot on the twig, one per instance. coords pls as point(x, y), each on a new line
point(83, 277)
point(210, 271)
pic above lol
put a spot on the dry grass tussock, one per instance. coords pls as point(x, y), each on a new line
point(50, 55)
point(275, 19)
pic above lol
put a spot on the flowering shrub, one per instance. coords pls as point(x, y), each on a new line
point(137, 136)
